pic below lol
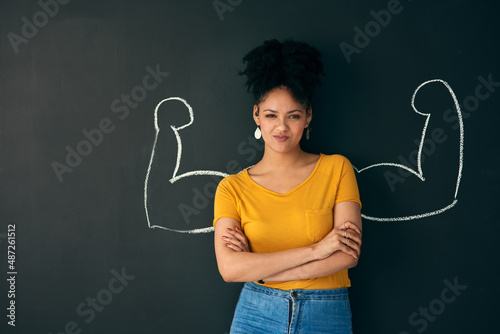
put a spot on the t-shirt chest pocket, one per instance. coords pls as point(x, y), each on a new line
point(318, 223)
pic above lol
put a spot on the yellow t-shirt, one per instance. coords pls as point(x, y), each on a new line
point(303, 216)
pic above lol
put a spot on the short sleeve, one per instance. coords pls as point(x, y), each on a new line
point(225, 204)
point(348, 187)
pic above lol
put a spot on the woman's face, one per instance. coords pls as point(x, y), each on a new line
point(282, 120)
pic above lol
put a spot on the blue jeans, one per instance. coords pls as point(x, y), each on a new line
point(272, 311)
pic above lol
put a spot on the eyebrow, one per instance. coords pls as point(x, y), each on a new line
point(288, 112)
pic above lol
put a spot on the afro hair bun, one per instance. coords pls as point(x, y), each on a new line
point(290, 64)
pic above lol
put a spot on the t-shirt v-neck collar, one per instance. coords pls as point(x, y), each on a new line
point(290, 191)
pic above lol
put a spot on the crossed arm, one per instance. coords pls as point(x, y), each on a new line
point(338, 250)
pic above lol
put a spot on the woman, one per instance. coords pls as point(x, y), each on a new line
point(289, 226)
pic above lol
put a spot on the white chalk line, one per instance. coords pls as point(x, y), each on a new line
point(175, 177)
point(420, 173)
point(424, 215)
point(420, 176)
point(198, 172)
point(194, 231)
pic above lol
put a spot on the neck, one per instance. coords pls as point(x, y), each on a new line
point(277, 160)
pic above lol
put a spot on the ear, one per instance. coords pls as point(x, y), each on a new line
point(256, 114)
point(308, 116)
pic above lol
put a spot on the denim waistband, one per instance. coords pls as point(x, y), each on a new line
point(341, 293)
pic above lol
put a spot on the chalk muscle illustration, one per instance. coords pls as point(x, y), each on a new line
point(419, 173)
point(175, 177)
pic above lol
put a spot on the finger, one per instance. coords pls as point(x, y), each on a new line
point(350, 234)
point(351, 251)
point(343, 225)
point(347, 233)
point(353, 241)
point(349, 226)
point(353, 226)
point(234, 242)
point(237, 244)
point(238, 234)
point(243, 238)
point(354, 236)
point(352, 245)
point(234, 247)
point(347, 245)
point(230, 240)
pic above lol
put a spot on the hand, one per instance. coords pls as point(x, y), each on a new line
point(345, 237)
point(236, 240)
point(352, 237)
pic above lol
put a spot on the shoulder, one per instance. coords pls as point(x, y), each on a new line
point(335, 165)
point(233, 181)
point(336, 160)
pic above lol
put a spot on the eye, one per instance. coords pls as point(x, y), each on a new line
point(296, 116)
point(270, 115)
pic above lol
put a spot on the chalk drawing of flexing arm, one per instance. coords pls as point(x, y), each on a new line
point(175, 177)
point(419, 173)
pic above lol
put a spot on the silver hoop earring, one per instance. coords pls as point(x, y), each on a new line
point(257, 134)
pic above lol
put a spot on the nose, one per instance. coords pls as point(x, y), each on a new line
point(282, 124)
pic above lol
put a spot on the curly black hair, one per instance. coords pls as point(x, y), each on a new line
point(291, 64)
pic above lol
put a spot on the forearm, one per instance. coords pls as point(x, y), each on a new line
point(237, 264)
point(247, 266)
point(336, 262)
point(346, 211)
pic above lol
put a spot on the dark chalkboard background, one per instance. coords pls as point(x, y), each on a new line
point(85, 258)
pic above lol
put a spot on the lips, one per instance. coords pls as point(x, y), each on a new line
point(281, 138)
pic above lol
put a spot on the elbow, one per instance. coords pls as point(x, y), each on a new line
point(231, 267)
point(353, 262)
point(228, 278)
point(234, 276)
point(227, 274)
point(231, 278)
